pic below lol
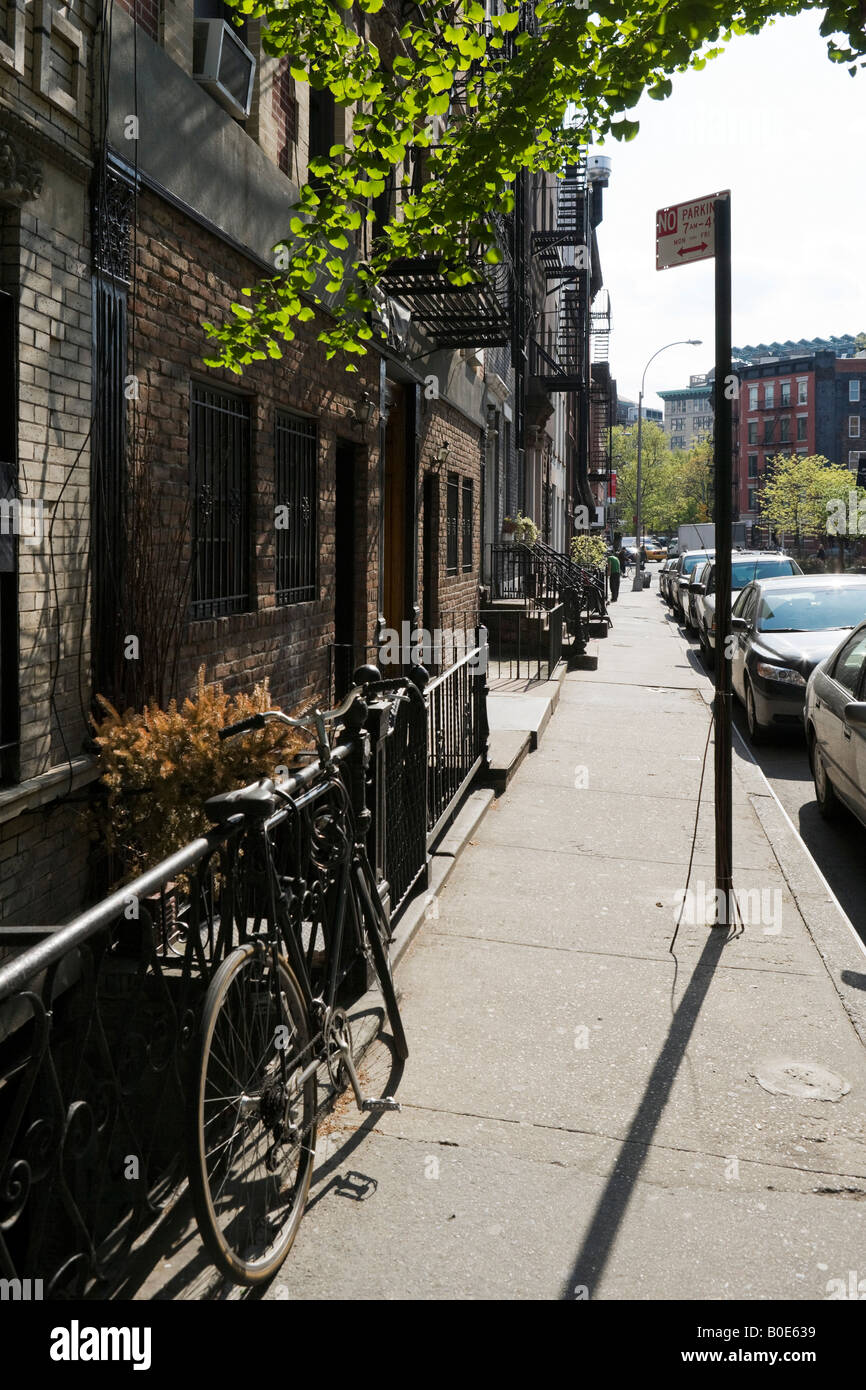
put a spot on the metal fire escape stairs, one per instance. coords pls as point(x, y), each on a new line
point(562, 253)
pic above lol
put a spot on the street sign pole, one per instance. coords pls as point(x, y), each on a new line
point(700, 230)
point(724, 541)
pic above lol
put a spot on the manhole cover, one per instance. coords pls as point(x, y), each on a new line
point(804, 1080)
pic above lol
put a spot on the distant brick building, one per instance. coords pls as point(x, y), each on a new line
point(804, 405)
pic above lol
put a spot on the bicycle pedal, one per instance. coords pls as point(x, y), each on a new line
point(382, 1103)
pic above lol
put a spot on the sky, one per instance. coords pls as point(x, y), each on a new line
point(774, 121)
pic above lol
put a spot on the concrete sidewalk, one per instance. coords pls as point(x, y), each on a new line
point(581, 1117)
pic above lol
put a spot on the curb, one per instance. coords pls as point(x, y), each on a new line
point(829, 928)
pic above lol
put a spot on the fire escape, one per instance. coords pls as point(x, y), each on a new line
point(558, 345)
point(602, 392)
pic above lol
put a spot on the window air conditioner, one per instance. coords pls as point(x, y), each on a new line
point(223, 65)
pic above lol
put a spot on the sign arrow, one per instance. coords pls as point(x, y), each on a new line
point(687, 250)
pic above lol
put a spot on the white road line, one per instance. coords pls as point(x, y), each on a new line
point(836, 903)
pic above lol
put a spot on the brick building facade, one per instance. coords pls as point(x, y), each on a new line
point(298, 509)
point(45, 415)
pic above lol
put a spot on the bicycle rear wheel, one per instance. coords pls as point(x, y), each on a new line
point(376, 929)
point(253, 1129)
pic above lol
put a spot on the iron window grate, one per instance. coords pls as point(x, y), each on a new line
point(296, 453)
point(220, 481)
point(466, 525)
point(452, 514)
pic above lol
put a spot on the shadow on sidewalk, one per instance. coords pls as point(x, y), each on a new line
point(610, 1211)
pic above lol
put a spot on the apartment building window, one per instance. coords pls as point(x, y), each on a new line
point(753, 398)
point(220, 484)
point(296, 507)
point(466, 524)
point(785, 430)
point(753, 493)
point(452, 521)
point(753, 431)
point(802, 392)
point(853, 426)
point(801, 426)
point(785, 393)
point(769, 396)
point(768, 431)
point(753, 465)
point(285, 114)
point(853, 390)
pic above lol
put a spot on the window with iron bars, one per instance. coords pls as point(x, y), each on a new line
point(452, 515)
point(466, 527)
point(296, 481)
point(220, 484)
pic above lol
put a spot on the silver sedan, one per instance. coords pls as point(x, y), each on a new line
point(835, 719)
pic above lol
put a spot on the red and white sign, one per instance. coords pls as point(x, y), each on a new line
point(686, 232)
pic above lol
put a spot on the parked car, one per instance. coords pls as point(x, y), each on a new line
point(834, 716)
point(664, 578)
point(693, 593)
point(682, 573)
point(746, 565)
point(781, 629)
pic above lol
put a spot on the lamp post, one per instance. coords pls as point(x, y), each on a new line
point(681, 342)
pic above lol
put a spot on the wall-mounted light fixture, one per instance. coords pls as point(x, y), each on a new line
point(441, 453)
point(363, 410)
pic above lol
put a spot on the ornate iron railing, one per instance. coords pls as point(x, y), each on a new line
point(98, 1018)
point(456, 733)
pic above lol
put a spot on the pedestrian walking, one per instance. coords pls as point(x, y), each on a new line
point(613, 569)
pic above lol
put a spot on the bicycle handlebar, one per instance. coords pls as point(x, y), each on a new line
point(316, 720)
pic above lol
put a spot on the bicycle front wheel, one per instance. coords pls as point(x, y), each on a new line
point(253, 1122)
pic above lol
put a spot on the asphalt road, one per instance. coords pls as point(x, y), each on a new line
point(837, 847)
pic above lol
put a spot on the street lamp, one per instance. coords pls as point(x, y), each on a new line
point(681, 342)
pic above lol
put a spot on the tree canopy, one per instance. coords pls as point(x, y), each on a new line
point(807, 496)
point(676, 485)
point(478, 100)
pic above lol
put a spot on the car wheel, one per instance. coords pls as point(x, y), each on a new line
point(757, 731)
point(828, 802)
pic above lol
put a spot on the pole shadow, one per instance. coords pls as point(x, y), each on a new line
point(611, 1208)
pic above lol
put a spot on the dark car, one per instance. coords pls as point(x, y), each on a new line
point(780, 630)
point(835, 722)
point(691, 596)
point(664, 579)
point(681, 574)
point(745, 566)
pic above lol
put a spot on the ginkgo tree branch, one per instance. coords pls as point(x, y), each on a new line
point(515, 82)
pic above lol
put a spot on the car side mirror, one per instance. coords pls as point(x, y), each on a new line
point(739, 625)
point(700, 588)
point(855, 713)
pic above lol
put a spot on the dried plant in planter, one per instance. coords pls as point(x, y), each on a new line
point(160, 766)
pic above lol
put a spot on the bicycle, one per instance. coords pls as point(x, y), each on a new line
point(271, 1019)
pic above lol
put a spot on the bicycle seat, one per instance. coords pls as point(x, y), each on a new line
point(256, 801)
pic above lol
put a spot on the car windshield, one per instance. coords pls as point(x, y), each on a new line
point(801, 609)
point(690, 561)
point(744, 571)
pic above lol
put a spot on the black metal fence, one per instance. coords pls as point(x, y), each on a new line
point(456, 732)
point(98, 1018)
point(539, 577)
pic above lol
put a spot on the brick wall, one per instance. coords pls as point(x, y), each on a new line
point(440, 424)
point(146, 15)
point(185, 274)
point(43, 866)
